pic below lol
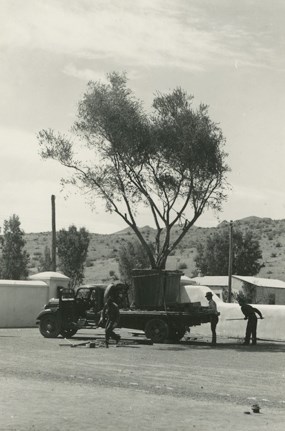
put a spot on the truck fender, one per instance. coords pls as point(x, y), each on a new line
point(46, 312)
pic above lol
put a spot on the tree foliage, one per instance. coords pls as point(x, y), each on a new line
point(170, 160)
point(247, 294)
point(132, 255)
point(72, 248)
point(213, 257)
point(14, 260)
point(46, 260)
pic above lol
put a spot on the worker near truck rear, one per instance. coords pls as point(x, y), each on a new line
point(214, 317)
point(111, 317)
point(250, 315)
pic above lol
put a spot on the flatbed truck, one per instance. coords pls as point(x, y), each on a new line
point(82, 309)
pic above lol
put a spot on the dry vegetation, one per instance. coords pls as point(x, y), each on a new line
point(103, 249)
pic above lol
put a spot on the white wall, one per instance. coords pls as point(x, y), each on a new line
point(262, 295)
point(20, 302)
point(53, 280)
point(270, 328)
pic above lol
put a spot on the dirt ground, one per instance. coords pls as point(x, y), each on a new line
point(48, 385)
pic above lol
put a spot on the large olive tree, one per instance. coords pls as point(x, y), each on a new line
point(170, 160)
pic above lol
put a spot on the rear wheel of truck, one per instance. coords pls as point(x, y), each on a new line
point(49, 326)
point(68, 333)
point(156, 330)
point(175, 334)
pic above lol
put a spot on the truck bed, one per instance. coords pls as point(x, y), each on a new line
point(137, 319)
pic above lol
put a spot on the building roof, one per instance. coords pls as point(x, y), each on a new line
point(212, 280)
point(48, 275)
point(185, 281)
point(29, 283)
point(262, 282)
point(223, 281)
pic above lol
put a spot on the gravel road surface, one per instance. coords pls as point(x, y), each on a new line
point(48, 385)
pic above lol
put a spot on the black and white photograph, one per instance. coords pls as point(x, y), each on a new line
point(142, 216)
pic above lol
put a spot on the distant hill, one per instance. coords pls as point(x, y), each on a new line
point(103, 249)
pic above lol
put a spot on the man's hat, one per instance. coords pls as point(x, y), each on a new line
point(208, 294)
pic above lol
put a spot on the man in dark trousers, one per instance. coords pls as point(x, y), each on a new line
point(250, 315)
point(111, 316)
point(214, 318)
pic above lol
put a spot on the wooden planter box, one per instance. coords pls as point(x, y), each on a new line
point(155, 289)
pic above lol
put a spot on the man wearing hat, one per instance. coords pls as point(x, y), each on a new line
point(250, 315)
point(214, 318)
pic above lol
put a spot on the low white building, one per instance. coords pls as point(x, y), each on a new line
point(54, 280)
point(22, 300)
point(219, 283)
point(265, 290)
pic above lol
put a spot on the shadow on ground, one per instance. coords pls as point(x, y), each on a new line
point(262, 346)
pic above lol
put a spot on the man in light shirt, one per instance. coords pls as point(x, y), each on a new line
point(214, 318)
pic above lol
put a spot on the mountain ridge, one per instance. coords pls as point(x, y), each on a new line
point(104, 248)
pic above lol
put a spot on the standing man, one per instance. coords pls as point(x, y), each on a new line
point(250, 315)
point(214, 318)
point(111, 316)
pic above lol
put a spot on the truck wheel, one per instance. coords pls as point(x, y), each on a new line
point(156, 330)
point(68, 333)
point(175, 334)
point(49, 326)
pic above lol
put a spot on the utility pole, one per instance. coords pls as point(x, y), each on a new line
point(53, 246)
point(230, 260)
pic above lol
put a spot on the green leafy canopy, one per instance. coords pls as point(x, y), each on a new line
point(72, 248)
point(14, 260)
point(213, 256)
point(171, 159)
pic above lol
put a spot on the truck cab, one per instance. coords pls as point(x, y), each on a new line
point(73, 310)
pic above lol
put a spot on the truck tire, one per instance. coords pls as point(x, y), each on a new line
point(156, 330)
point(49, 326)
point(175, 334)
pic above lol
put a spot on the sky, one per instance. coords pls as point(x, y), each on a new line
point(227, 54)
